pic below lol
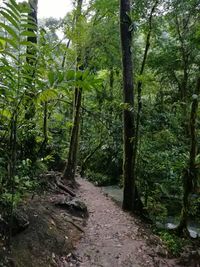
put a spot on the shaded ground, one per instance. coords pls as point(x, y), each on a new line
point(50, 236)
point(112, 237)
point(55, 223)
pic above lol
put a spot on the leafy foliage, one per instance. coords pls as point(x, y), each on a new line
point(37, 104)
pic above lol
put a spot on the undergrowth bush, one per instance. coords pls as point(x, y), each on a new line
point(173, 243)
point(98, 179)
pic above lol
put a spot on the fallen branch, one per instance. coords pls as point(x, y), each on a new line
point(76, 225)
point(65, 188)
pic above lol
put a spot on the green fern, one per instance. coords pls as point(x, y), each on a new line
point(15, 70)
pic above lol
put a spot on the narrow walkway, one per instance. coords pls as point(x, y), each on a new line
point(112, 237)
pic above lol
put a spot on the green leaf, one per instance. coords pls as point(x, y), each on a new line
point(15, 5)
point(29, 22)
point(70, 75)
point(51, 77)
point(10, 55)
point(28, 34)
point(13, 15)
point(47, 95)
point(10, 19)
point(10, 30)
point(10, 41)
point(2, 45)
point(29, 26)
point(27, 43)
point(14, 8)
point(5, 113)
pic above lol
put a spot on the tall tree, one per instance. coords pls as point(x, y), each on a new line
point(70, 169)
point(31, 59)
point(191, 172)
point(139, 83)
point(128, 98)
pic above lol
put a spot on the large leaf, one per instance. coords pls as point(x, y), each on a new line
point(10, 13)
point(14, 8)
point(28, 33)
point(51, 77)
point(10, 18)
point(47, 95)
point(5, 113)
point(9, 30)
point(10, 41)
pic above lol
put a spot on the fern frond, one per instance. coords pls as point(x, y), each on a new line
point(10, 30)
point(11, 19)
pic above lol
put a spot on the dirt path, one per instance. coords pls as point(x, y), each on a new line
point(112, 237)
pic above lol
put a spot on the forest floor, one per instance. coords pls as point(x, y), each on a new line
point(114, 238)
point(59, 232)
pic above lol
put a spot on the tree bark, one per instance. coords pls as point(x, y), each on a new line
point(128, 113)
point(70, 169)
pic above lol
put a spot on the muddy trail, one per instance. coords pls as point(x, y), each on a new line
point(112, 237)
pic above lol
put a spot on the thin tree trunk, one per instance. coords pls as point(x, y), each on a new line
point(45, 123)
point(70, 169)
point(139, 84)
point(111, 90)
point(190, 174)
point(31, 59)
point(183, 84)
point(138, 202)
point(88, 157)
point(128, 113)
point(45, 130)
point(12, 172)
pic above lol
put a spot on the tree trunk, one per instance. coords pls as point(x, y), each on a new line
point(138, 202)
point(128, 113)
point(111, 82)
point(31, 59)
point(42, 150)
point(88, 157)
point(190, 174)
point(139, 84)
point(12, 171)
point(70, 169)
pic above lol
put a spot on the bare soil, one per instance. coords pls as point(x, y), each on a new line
point(114, 238)
point(50, 236)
